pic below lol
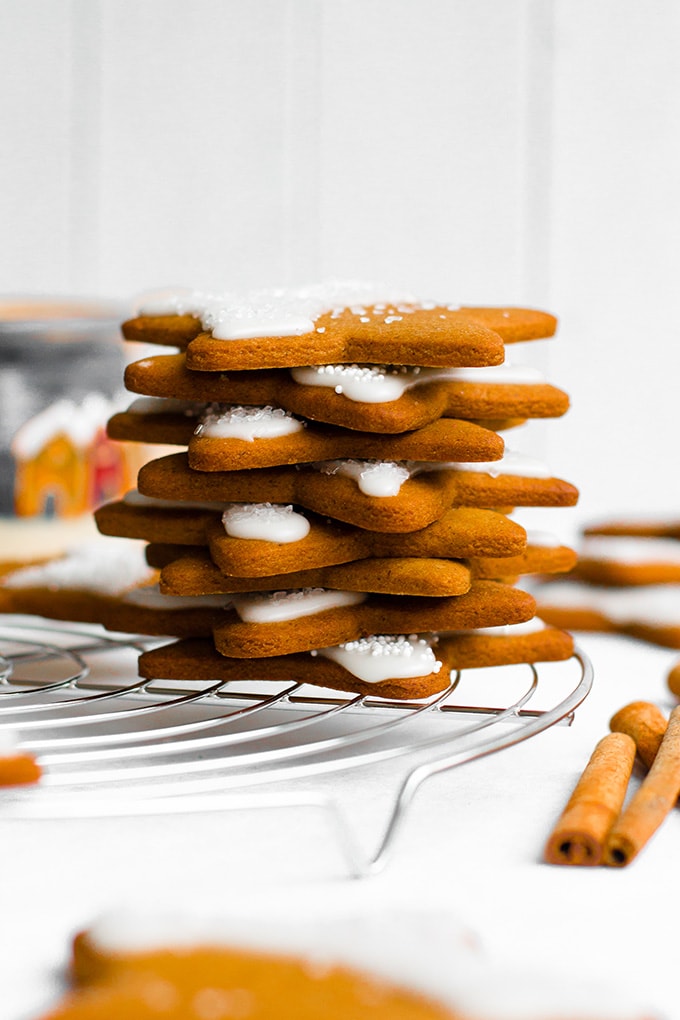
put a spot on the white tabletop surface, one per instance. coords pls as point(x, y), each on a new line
point(470, 851)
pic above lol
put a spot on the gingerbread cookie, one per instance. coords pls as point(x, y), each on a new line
point(259, 538)
point(229, 438)
point(340, 322)
point(544, 554)
point(378, 496)
point(650, 613)
point(238, 546)
point(636, 528)
point(628, 560)
point(145, 610)
point(280, 622)
point(370, 398)
point(169, 521)
point(196, 574)
point(160, 554)
point(256, 624)
point(385, 666)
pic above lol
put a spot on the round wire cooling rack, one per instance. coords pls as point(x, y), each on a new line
point(111, 744)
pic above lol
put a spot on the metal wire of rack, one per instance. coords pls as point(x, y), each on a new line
point(111, 744)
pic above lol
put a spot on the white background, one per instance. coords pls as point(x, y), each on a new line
point(495, 151)
point(502, 151)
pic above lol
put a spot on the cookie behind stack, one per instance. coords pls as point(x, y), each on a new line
point(626, 581)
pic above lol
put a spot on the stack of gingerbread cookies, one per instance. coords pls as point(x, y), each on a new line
point(335, 508)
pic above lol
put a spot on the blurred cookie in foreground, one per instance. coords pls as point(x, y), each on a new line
point(183, 968)
point(349, 964)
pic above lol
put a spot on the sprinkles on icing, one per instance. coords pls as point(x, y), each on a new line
point(248, 423)
point(269, 522)
point(384, 657)
point(379, 384)
point(281, 311)
point(271, 607)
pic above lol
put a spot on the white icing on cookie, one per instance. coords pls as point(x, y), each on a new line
point(272, 607)
point(385, 478)
point(653, 605)
point(281, 311)
point(385, 657)
point(248, 423)
point(268, 522)
point(511, 463)
point(631, 550)
point(379, 384)
point(506, 630)
point(104, 567)
point(380, 478)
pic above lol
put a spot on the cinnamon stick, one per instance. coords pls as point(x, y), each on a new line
point(651, 803)
point(645, 723)
point(581, 831)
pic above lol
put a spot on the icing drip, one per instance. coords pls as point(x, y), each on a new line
point(507, 630)
point(102, 567)
point(385, 657)
point(385, 478)
point(248, 423)
point(280, 311)
point(272, 607)
point(627, 549)
point(511, 463)
point(655, 605)
point(269, 522)
point(379, 478)
point(379, 384)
